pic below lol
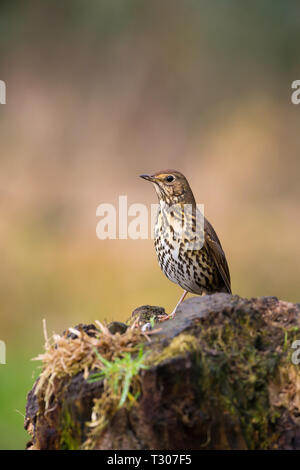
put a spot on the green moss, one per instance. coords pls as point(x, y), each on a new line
point(180, 345)
point(238, 358)
point(238, 354)
point(70, 435)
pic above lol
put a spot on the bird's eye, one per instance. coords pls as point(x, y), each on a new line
point(169, 178)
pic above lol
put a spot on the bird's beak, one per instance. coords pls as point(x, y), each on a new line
point(148, 178)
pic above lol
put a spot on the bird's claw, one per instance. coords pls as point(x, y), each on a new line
point(166, 317)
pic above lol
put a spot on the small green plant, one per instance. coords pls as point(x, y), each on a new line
point(119, 373)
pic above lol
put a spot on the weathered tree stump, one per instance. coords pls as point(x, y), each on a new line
point(220, 376)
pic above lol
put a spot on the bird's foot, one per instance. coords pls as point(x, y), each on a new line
point(162, 318)
point(166, 317)
point(172, 315)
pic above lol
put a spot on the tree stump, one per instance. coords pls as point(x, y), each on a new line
point(222, 374)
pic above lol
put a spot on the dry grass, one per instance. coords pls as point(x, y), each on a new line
point(65, 356)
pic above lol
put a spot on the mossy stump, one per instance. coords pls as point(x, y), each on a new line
point(222, 374)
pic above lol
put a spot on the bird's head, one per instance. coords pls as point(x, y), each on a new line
point(171, 187)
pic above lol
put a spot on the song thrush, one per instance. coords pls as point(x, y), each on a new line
point(189, 252)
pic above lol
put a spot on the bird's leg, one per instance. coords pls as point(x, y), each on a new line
point(180, 300)
point(166, 317)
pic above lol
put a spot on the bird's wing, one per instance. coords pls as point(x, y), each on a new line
point(217, 253)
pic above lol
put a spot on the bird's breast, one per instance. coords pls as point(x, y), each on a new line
point(178, 249)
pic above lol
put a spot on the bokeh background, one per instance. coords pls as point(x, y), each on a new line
point(100, 91)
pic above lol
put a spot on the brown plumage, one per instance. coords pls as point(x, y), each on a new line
point(190, 254)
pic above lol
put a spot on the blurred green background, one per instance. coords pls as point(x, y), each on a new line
point(100, 91)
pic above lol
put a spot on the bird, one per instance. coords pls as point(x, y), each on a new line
point(188, 249)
